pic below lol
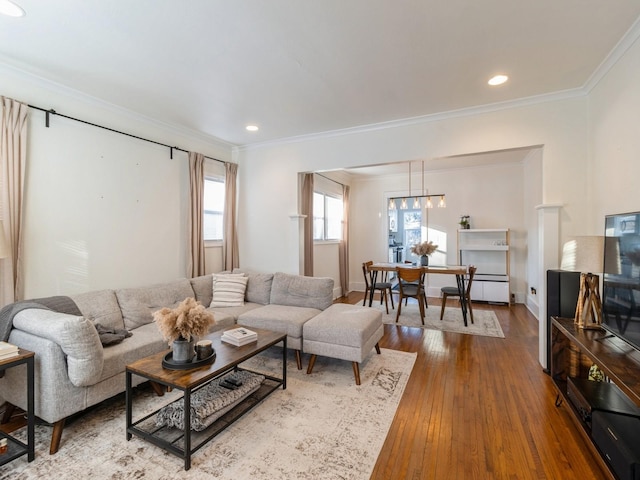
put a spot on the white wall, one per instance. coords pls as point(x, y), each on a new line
point(269, 184)
point(491, 195)
point(102, 210)
point(614, 112)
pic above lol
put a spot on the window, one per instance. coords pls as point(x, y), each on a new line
point(327, 217)
point(213, 208)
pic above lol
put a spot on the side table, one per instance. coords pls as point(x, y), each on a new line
point(16, 448)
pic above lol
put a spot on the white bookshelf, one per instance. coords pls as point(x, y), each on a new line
point(488, 250)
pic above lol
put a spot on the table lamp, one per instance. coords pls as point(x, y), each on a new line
point(585, 254)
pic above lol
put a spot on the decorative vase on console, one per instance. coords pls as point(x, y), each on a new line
point(424, 260)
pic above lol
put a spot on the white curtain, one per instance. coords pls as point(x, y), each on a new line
point(230, 236)
point(196, 265)
point(13, 157)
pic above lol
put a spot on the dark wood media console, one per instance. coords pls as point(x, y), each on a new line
point(574, 351)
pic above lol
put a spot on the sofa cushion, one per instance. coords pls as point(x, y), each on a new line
point(144, 341)
point(77, 337)
point(279, 318)
point(139, 304)
point(300, 291)
point(100, 307)
point(203, 288)
point(233, 312)
point(258, 286)
point(228, 290)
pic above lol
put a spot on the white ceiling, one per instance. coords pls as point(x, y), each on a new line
point(303, 67)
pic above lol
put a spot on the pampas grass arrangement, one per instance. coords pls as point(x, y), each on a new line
point(189, 319)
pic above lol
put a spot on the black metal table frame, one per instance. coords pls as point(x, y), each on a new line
point(187, 392)
point(29, 447)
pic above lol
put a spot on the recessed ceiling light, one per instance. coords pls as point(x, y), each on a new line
point(498, 80)
point(252, 128)
point(7, 7)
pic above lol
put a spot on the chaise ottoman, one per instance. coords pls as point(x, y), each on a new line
point(343, 331)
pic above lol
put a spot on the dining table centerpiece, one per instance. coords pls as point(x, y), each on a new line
point(424, 250)
point(181, 326)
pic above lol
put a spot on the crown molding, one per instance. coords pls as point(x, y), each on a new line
point(51, 85)
point(614, 56)
point(435, 117)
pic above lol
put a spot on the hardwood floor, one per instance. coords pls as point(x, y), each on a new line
point(480, 408)
point(477, 408)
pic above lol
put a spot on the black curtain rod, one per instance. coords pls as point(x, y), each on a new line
point(171, 148)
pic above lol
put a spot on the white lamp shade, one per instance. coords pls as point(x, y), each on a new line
point(583, 254)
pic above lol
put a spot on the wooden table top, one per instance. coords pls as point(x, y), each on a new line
point(227, 356)
point(448, 269)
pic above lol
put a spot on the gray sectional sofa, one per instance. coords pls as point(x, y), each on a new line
point(73, 370)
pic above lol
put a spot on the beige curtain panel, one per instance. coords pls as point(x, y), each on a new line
point(196, 265)
point(13, 157)
point(230, 235)
point(306, 208)
point(343, 249)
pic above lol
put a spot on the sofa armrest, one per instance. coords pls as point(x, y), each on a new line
point(77, 337)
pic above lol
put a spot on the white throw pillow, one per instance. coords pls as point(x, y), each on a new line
point(228, 290)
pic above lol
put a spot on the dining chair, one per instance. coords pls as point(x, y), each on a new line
point(383, 287)
point(454, 292)
point(411, 285)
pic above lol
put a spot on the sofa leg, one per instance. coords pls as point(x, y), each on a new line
point(157, 388)
point(356, 372)
point(312, 362)
point(377, 349)
point(56, 436)
point(8, 412)
point(298, 360)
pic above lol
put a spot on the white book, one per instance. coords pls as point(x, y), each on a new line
point(238, 342)
point(6, 355)
point(6, 347)
point(241, 333)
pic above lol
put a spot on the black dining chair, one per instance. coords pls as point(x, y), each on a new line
point(454, 292)
point(383, 287)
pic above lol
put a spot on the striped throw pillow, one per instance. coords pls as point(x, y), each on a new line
point(228, 290)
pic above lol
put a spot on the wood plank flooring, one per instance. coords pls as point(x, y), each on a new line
point(477, 408)
point(480, 408)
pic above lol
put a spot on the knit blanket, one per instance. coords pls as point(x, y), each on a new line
point(210, 402)
point(59, 304)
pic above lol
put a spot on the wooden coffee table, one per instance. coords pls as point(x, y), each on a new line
point(184, 443)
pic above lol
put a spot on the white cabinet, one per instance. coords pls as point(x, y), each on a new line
point(488, 250)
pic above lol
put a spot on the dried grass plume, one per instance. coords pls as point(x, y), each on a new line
point(189, 319)
point(424, 248)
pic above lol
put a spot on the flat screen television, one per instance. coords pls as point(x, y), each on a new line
point(621, 278)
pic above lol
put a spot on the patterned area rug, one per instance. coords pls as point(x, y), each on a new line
point(485, 321)
point(323, 426)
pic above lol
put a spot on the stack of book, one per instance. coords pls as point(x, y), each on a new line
point(7, 350)
point(239, 336)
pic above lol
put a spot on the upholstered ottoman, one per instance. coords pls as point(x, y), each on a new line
point(343, 331)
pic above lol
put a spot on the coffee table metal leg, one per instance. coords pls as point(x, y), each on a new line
point(284, 363)
point(129, 403)
point(31, 420)
point(187, 429)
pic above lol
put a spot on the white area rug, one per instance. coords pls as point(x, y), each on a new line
point(485, 321)
point(323, 426)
